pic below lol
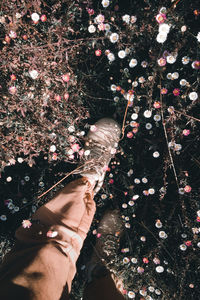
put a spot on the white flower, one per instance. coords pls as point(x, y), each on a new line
point(175, 75)
point(164, 28)
point(71, 128)
point(114, 37)
point(141, 79)
point(193, 96)
point(157, 118)
point(113, 87)
point(111, 56)
point(134, 116)
point(91, 29)
point(35, 17)
point(107, 27)
point(129, 97)
point(18, 15)
point(185, 60)
point(162, 234)
point(198, 37)
point(87, 152)
point(135, 197)
point(147, 113)
point(52, 148)
point(20, 160)
point(159, 269)
point(151, 191)
point(156, 154)
point(131, 294)
point(121, 54)
point(169, 76)
point(33, 74)
point(105, 3)
point(183, 247)
point(183, 82)
point(133, 19)
point(171, 59)
point(126, 19)
point(133, 63)
point(134, 83)
point(198, 213)
point(163, 10)
point(148, 126)
point(183, 28)
point(161, 37)
point(134, 260)
point(100, 18)
point(124, 205)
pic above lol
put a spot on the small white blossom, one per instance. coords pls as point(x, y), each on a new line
point(105, 3)
point(198, 37)
point(35, 17)
point(134, 116)
point(147, 113)
point(185, 60)
point(91, 29)
point(126, 19)
point(111, 56)
point(164, 28)
point(161, 37)
point(133, 63)
point(52, 148)
point(193, 96)
point(114, 37)
point(131, 294)
point(159, 269)
point(33, 74)
point(121, 54)
point(183, 82)
point(171, 59)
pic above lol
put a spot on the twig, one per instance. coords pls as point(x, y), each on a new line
point(188, 116)
point(166, 137)
point(124, 120)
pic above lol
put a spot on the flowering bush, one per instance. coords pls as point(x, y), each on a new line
point(137, 62)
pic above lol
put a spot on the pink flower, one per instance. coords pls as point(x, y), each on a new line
point(129, 135)
point(55, 156)
point(98, 235)
point(98, 52)
point(13, 77)
point(66, 77)
point(101, 26)
point(90, 11)
point(57, 98)
point(187, 188)
point(12, 90)
point(160, 18)
point(161, 62)
point(196, 64)
point(111, 181)
point(145, 260)
point(81, 152)
point(156, 261)
point(157, 104)
point(43, 18)
point(26, 223)
point(186, 132)
point(66, 96)
point(164, 91)
point(75, 147)
point(188, 243)
point(176, 92)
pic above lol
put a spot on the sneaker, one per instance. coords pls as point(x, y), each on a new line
point(110, 230)
point(101, 143)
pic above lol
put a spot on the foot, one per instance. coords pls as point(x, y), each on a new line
point(100, 146)
point(110, 230)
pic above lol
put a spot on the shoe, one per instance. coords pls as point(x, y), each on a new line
point(110, 230)
point(101, 143)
